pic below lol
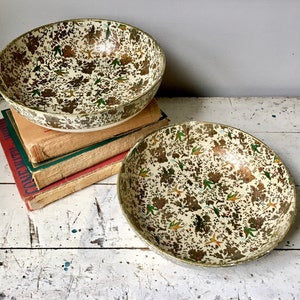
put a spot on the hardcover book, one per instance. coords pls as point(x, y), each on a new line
point(50, 171)
point(35, 198)
point(43, 144)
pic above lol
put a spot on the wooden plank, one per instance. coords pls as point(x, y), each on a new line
point(91, 218)
point(142, 274)
point(5, 173)
point(3, 105)
point(88, 218)
point(248, 114)
point(14, 220)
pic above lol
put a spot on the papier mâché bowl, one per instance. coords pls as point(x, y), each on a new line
point(206, 194)
point(81, 75)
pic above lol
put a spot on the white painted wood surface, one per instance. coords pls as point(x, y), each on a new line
point(81, 247)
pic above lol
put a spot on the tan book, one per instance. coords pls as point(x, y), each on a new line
point(36, 199)
point(43, 144)
point(51, 171)
point(65, 168)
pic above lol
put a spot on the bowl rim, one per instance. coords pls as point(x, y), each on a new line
point(186, 262)
point(96, 112)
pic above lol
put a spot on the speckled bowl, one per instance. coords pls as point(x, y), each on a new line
point(81, 75)
point(206, 194)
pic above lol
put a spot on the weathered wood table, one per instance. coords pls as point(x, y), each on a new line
point(82, 248)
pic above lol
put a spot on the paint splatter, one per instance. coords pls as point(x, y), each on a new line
point(66, 265)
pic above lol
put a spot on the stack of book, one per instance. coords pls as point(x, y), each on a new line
point(48, 165)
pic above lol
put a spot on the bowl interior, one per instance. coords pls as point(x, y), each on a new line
point(80, 66)
point(206, 194)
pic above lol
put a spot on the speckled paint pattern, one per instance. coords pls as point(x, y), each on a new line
point(81, 74)
point(207, 194)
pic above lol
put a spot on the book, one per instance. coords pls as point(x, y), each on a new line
point(43, 144)
point(37, 199)
point(54, 170)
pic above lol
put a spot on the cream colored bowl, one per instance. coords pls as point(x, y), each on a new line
point(81, 75)
point(206, 194)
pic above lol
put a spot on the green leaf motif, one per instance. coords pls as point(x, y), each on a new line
point(233, 196)
point(267, 175)
point(116, 62)
point(121, 79)
point(108, 33)
point(151, 209)
point(179, 135)
point(181, 165)
point(57, 50)
point(37, 68)
point(196, 150)
point(217, 212)
point(254, 147)
point(144, 172)
point(207, 183)
point(249, 231)
point(36, 93)
point(97, 81)
point(101, 101)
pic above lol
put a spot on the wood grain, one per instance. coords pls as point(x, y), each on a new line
point(81, 247)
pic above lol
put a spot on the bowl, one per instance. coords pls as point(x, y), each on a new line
point(81, 75)
point(206, 194)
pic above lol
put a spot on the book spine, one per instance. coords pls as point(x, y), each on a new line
point(21, 175)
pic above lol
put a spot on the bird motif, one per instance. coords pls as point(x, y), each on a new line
point(197, 151)
point(176, 190)
point(213, 240)
point(271, 204)
point(179, 164)
point(175, 225)
point(60, 72)
point(89, 53)
point(233, 197)
point(144, 173)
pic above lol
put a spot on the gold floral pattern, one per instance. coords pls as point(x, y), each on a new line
point(81, 74)
point(214, 199)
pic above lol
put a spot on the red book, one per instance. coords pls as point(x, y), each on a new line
point(36, 199)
